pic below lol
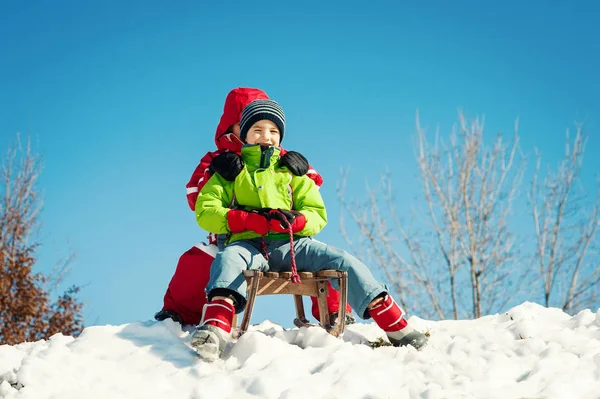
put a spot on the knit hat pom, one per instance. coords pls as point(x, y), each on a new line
point(258, 110)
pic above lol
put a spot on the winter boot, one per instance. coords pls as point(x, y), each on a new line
point(214, 331)
point(389, 317)
point(168, 314)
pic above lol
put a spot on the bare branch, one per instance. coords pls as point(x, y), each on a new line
point(565, 230)
point(468, 190)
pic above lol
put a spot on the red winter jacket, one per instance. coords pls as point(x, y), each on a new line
point(235, 102)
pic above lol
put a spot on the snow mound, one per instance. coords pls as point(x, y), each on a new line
point(528, 352)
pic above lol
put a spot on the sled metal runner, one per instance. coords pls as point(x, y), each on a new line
point(313, 284)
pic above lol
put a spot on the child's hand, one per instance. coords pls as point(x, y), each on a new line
point(262, 211)
point(255, 220)
point(281, 219)
point(295, 162)
point(228, 165)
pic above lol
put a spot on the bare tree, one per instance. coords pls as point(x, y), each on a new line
point(566, 229)
point(27, 311)
point(464, 265)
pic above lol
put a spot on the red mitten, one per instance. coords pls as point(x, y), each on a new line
point(254, 220)
point(280, 220)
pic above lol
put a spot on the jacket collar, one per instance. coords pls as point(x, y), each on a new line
point(259, 157)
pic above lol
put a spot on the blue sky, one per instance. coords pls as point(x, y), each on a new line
point(122, 99)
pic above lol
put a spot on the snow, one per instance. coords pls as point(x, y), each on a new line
point(528, 352)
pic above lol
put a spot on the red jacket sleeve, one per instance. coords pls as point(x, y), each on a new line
point(199, 178)
point(315, 176)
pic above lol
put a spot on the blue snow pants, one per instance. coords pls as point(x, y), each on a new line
point(226, 271)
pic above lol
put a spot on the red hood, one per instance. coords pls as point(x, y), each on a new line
point(235, 102)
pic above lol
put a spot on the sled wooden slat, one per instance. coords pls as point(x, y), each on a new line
point(265, 286)
point(328, 273)
point(313, 284)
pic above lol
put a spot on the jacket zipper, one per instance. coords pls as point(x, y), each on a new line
point(265, 157)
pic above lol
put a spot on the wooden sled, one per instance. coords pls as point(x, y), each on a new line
point(313, 284)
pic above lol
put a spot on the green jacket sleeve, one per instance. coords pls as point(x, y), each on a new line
point(308, 201)
point(213, 203)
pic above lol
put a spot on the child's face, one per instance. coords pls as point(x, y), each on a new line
point(264, 132)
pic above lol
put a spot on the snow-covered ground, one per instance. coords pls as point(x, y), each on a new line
point(527, 352)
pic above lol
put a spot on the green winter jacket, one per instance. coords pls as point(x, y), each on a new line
point(263, 183)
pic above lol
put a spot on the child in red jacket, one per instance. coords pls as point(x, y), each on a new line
point(185, 297)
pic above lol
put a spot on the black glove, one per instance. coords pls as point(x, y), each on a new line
point(228, 165)
point(295, 162)
point(281, 220)
point(262, 212)
point(283, 216)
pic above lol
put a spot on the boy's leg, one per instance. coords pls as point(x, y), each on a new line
point(185, 297)
point(227, 296)
point(226, 272)
point(368, 297)
point(390, 317)
point(312, 256)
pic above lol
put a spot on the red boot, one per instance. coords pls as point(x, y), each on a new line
point(389, 317)
point(211, 336)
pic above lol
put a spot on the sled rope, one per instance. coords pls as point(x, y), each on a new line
point(295, 276)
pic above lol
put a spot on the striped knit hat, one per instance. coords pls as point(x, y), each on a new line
point(258, 110)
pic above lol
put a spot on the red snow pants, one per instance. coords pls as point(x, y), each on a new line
point(185, 294)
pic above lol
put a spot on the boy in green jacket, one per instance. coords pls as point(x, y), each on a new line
point(257, 206)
